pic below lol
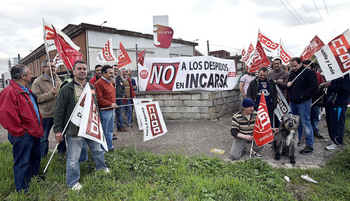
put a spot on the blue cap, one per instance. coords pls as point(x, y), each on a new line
point(247, 102)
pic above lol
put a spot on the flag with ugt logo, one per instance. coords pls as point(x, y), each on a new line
point(262, 129)
point(152, 120)
point(85, 116)
point(123, 57)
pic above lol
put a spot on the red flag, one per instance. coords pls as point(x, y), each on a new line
point(123, 57)
point(141, 56)
point(68, 54)
point(315, 45)
point(262, 129)
point(260, 59)
point(246, 56)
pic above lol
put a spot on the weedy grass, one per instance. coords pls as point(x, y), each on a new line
point(145, 176)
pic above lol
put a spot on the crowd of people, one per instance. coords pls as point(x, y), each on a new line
point(307, 93)
point(29, 115)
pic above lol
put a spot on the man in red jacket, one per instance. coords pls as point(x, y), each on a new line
point(22, 119)
point(105, 94)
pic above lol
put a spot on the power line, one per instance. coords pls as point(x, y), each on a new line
point(324, 2)
point(295, 11)
point(291, 13)
point(308, 12)
point(317, 10)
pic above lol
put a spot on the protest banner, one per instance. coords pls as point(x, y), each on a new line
point(152, 120)
point(186, 74)
point(334, 58)
point(139, 101)
point(282, 107)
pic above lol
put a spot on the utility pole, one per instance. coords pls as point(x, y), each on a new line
point(208, 46)
point(9, 62)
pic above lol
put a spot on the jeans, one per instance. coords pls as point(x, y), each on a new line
point(62, 148)
point(303, 111)
point(27, 155)
point(107, 121)
point(44, 142)
point(315, 117)
point(75, 145)
point(119, 113)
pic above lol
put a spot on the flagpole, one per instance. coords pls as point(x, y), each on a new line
point(71, 115)
point(303, 70)
point(48, 56)
point(106, 108)
point(251, 149)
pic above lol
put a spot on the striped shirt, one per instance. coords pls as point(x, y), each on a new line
point(242, 125)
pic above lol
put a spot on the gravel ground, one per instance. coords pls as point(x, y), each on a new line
point(200, 137)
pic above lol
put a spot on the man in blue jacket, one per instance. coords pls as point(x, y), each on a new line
point(302, 83)
point(338, 98)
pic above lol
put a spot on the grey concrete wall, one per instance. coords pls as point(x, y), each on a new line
point(195, 105)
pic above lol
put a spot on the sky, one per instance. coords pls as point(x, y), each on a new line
point(227, 24)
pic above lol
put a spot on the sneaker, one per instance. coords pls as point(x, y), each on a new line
point(307, 150)
point(332, 147)
point(77, 187)
point(114, 137)
point(107, 170)
point(255, 154)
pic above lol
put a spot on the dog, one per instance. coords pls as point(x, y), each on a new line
point(286, 139)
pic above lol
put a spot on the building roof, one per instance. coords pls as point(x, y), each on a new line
point(72, 30)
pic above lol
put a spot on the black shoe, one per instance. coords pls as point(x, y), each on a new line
point(299, 144)
point(307, 150)
point(114, 137)
point(318, 135)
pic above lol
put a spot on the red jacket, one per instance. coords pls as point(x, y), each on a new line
point(17, 112)
point(105, 93)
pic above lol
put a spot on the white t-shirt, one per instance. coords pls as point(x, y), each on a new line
point(246, 79)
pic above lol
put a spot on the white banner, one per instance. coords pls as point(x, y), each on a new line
point(152, 120)
point(85, 116)
point(106, 54)
point(58, 61)
point(334, 58)
point(187, 73)
point(282, 107)
point(139, 101)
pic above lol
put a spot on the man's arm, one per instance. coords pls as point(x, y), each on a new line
point(241, 89)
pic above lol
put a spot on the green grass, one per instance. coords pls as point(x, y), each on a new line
point(145, 176)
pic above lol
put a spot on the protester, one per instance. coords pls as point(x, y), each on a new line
point(302, 83)
point(98, 75)
point(315, 108)
point(279, 75)
point(242, 130)
point(244, 83)
point(338, 98)
point(46, 90)
point(105, 94)
point(66, 101)
point(265, 85)
point(120, 94)
point(127, 102)
point(133, 82)
point(22, 119)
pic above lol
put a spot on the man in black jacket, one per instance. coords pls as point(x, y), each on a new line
point(265, 85)
point(302, 83)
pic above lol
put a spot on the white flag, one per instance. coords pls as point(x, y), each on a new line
point(57, 60)
point(139, 101)
point(284, 54)
point(269, 46)
point(152, 120)
point(334, 58)
point(49, 37)
point(85, 116)
point(106, 54)
point(282, 107)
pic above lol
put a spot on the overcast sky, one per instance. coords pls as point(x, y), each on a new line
point(227, 24)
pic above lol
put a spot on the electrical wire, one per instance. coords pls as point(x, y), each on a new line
point(291, 13)
point(295, 11)
point(318, 10)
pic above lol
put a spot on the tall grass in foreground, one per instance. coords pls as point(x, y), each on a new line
point(144, 176)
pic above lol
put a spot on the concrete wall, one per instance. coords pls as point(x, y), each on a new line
point(195, 105)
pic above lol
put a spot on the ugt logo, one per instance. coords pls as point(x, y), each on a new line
point(162, 76)
point(162, 36)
